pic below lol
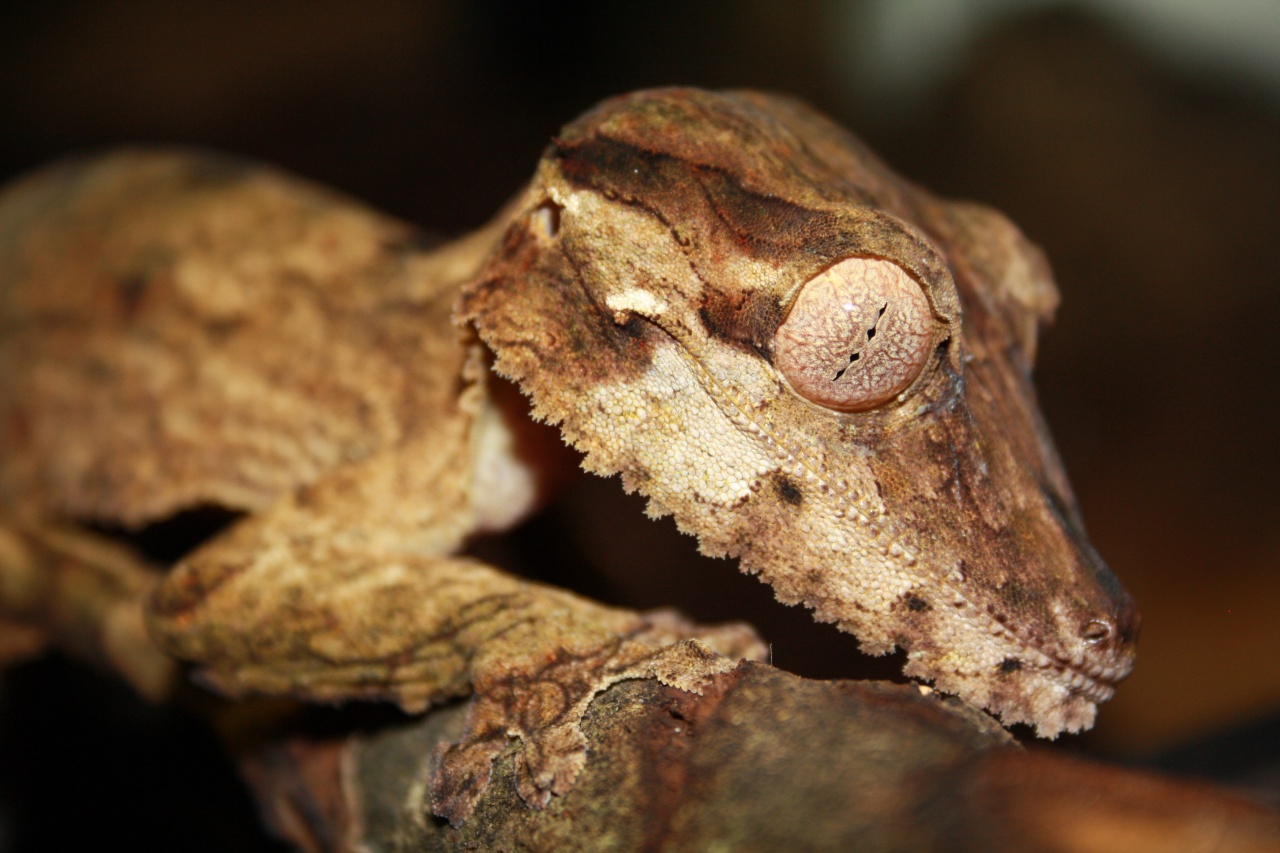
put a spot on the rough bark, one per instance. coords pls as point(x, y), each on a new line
point(764, 761)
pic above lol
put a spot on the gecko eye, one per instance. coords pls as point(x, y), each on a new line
point(857, 335)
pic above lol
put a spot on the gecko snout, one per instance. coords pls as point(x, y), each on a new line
point(1107, 643)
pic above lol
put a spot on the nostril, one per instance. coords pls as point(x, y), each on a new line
point(1095, 631)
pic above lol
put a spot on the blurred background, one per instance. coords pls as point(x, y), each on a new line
point(1137, 141)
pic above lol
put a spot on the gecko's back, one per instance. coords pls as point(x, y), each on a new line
point(180, 330)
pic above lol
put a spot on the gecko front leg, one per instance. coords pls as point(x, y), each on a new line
point(179, 331)
point(352, 589)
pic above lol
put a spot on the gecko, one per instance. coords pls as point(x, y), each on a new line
point(814, 365)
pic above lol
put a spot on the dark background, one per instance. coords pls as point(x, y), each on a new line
point(1143, 155)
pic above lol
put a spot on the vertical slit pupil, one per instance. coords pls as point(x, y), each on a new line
point(871, 333)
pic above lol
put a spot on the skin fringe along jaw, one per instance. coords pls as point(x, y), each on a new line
point(822, 370)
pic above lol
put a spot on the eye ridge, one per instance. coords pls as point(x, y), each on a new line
point(871, 333)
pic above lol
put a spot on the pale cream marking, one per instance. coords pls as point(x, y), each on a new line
point(504, 487)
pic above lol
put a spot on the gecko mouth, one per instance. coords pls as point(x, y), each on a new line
point(1095, 690)
point(1094, 680)
point(1096, 683)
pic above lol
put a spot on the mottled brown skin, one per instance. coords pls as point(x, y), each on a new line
point(942, 521)
point(180, 331)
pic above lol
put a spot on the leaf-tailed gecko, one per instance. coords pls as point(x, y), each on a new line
point(815, 366)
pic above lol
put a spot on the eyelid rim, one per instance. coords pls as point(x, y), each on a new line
point(947, 331)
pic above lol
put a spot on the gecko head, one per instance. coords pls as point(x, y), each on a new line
point(822, 370)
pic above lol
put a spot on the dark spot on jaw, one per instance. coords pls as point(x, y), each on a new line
point(1009, 665)
point(916, 604)
point(788, 490)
